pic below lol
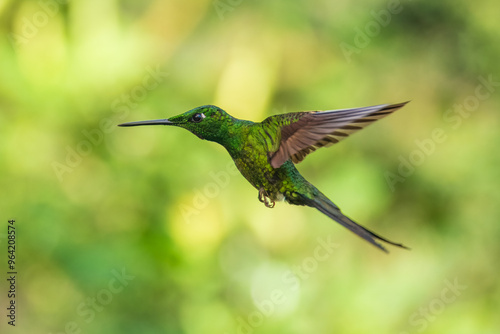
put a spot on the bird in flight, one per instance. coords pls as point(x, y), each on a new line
point(266, 153)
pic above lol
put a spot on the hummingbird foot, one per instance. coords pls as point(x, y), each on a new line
point(264, 198)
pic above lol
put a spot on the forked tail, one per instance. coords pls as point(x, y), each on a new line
point(323, 204)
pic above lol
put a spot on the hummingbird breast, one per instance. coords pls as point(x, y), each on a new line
point(279, 183)
point(249, 146)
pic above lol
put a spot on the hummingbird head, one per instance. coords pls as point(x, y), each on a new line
point(207, 122)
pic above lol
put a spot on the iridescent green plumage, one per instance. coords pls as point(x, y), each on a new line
point(265, 152)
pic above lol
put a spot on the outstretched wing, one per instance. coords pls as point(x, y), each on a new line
point(304, 132)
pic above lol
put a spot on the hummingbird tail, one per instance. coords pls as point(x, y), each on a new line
point(323, 204)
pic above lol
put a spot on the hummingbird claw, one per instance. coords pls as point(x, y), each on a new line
point(264, 198)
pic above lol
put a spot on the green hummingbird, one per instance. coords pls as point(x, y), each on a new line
point(266, 152)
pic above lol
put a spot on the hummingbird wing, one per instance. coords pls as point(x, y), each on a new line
point(305, 132)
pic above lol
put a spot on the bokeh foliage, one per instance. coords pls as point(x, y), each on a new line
point(90, 198)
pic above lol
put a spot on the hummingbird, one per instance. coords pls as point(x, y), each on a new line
point(266, 153)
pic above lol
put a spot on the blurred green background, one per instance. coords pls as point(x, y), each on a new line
point(149, 230)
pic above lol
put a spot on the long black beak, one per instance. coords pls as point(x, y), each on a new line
point(152, 122)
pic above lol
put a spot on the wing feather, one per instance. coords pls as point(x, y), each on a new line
point(307, 131)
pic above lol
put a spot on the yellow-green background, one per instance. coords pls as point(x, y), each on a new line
point(121, 207)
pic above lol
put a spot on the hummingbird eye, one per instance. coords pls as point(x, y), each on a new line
point(198, 117)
